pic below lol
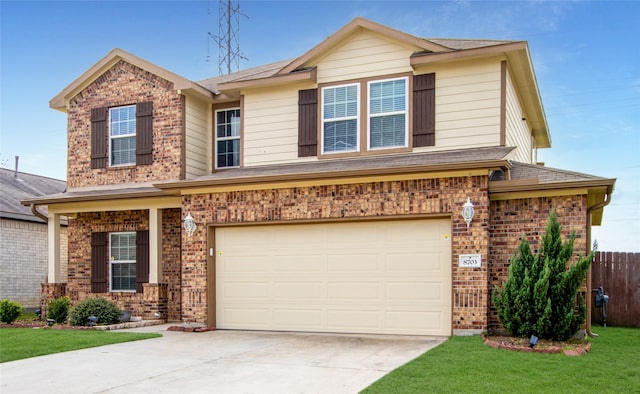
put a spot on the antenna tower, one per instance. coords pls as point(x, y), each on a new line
point(228, 37)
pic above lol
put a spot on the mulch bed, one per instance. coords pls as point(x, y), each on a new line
point(569, 348)
point(42, 324)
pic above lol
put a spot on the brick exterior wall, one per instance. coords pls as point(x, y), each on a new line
point(163, 297)
point(24, 260)
point(444, 196)
point(126, 84)
point(512, 219)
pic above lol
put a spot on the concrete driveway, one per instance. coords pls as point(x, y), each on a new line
point(218, 362)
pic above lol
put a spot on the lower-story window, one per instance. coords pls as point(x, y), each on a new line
point(122, 262)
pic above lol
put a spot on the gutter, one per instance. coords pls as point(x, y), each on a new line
point(34, 210)
point(589, 284)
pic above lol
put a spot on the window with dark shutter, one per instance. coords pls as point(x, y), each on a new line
point(142, 259)
point(424, 110)
point(99, 153)
point(144, 133)
point(307, 122)
point(99, 262)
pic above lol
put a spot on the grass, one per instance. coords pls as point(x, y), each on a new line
point(27, 316)
point(467, 365)
point(19, 343)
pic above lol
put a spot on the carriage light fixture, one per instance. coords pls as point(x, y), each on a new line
point(468, 211)
point(190, 225)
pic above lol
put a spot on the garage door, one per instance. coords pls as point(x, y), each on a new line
point(381, 277)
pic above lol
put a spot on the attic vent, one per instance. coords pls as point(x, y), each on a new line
point(497, 175)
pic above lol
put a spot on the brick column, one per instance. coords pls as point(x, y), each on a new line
point(155, 301)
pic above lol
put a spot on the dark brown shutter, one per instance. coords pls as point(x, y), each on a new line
point(142, 259)
point(99, 137)
point(99, 262)
point(144, 133)
point(424, 110)
point(307, 122)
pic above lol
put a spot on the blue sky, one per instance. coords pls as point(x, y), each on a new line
point(586, 56)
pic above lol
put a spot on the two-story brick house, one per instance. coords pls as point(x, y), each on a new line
point(327, 190)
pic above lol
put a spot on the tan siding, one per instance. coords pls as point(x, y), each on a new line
point(517, 130)
point(365, 54)
point(467, 101)
point(271, 125)
point(198, 138)
point(467, 104)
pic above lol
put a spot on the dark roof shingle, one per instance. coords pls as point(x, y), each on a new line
point(25, 186)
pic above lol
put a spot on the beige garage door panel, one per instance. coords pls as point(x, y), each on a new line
point(391, 277)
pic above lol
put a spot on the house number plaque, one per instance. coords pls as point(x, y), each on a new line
point(470, 261)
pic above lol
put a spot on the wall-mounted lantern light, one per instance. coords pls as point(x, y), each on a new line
point(468, 211)
point(190, 225)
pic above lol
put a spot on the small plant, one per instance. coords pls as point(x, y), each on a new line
point(58, 309)
point(106, 311)
point(9, 311)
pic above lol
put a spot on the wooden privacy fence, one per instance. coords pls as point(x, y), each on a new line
point(619, 274)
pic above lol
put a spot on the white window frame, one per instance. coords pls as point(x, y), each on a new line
point(114, 137)
point(112, 261)
point(217, 139)
point(405, 113)
point(356, 117)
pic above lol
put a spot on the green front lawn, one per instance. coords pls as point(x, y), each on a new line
point(467, 365)
point(19, 343)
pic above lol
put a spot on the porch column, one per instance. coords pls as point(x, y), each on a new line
point(155, 245)
point(53, 241)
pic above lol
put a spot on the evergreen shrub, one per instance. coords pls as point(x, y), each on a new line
point(106, 311)
point(58, 309)
point(540, 294)
point(9, 311)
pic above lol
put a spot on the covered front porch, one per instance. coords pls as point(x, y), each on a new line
point(124, 247)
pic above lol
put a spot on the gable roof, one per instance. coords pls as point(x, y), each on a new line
point(116, 55)
point(427, 51)
point(353, 26)
point(14, 189)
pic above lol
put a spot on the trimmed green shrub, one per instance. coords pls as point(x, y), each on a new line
point(539, 295)
point(58, 309)
point(9, 311)
point(106, 311)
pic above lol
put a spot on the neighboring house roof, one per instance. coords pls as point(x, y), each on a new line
point(25, 186)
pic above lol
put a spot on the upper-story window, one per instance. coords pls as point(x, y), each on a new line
point(228, 138)
point(122, 135)
point(369, 116)
point(122, 252)
point(388, 124)
point(340, 118)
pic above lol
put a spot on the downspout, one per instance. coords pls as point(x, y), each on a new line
point(34, 210)
point(589, 284)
